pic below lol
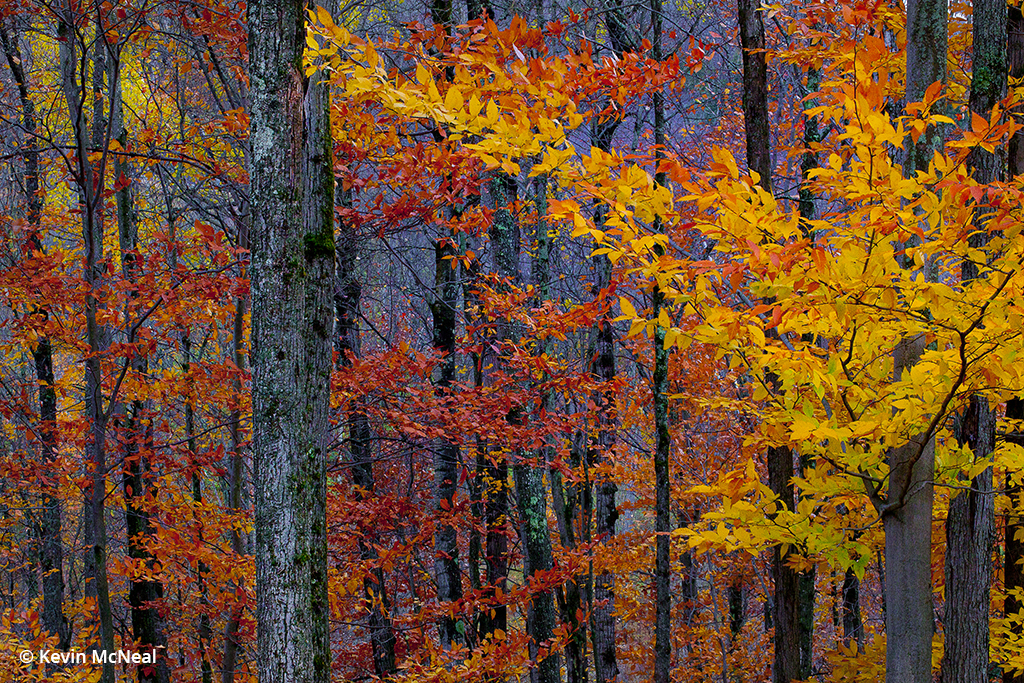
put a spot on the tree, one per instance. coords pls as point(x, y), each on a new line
point(292, 338)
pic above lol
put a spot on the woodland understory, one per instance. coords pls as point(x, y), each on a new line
point(512, 342)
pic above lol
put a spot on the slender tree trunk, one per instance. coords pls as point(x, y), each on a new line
point(347, 296)
point(786, 603)
point(148, 627)
point(602, 367)
point(89, 184)
point(236, 464)
point(48, 528)
point(853, 625)
point(663, 437)
point(970, 524)
point(907, 515)
point(1013, 558)
point(292, 330)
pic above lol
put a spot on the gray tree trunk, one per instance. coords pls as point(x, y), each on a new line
point(292, 328)
point(970, 524)
point(907, 515)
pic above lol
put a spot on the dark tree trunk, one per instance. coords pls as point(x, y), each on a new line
point(148, 627)
point(347, 297)
point(48, 527)
point(292, 330)
point(1013, 556)
point(853, 625)
point(663, 437)
point(970, 524)
point(602, 367)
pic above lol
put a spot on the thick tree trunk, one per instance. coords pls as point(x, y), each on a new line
point(907, 514)
point(292, 330)
point(908, 590)
point(970, 525)
point(48, 528)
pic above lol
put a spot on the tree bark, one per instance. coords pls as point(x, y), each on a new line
point(970, 524)
point(1013, 556)
point(907, 514)
point(663, 437)
point(602, 367)
point(292, 328)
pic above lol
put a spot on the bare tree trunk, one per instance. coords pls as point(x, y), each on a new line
point(292, 330)
point(602, 367)
point(148, 627)
point(347, 297)
point(970, 524)
point(48, 528)
point(1013, 556)
point(907, 515)
point(663, 437)
point(853, 625)
point(89, 184)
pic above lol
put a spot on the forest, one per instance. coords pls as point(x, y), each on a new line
point(512, 341)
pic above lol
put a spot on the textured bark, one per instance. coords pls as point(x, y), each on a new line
point(47, 528)
point(755, 91)
point(907, 511)
point(1013, 556)
point(292, 329)
point(970, 524)
point(602, 367)
point(663, 438)
point(907, 523)
point(446, 452)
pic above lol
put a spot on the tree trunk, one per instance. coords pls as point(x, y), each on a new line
point(908, 590)
point(89, 184)
point(602, 367)
point(663, 438)
point(970, 524)
point(292, 330)
point(853, 626)
point(347, 297)
point(907, 514)
point(1013, 557)
point(48, 529)
point(148, 627)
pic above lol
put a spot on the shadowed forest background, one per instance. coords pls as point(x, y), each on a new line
point(512, 342)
